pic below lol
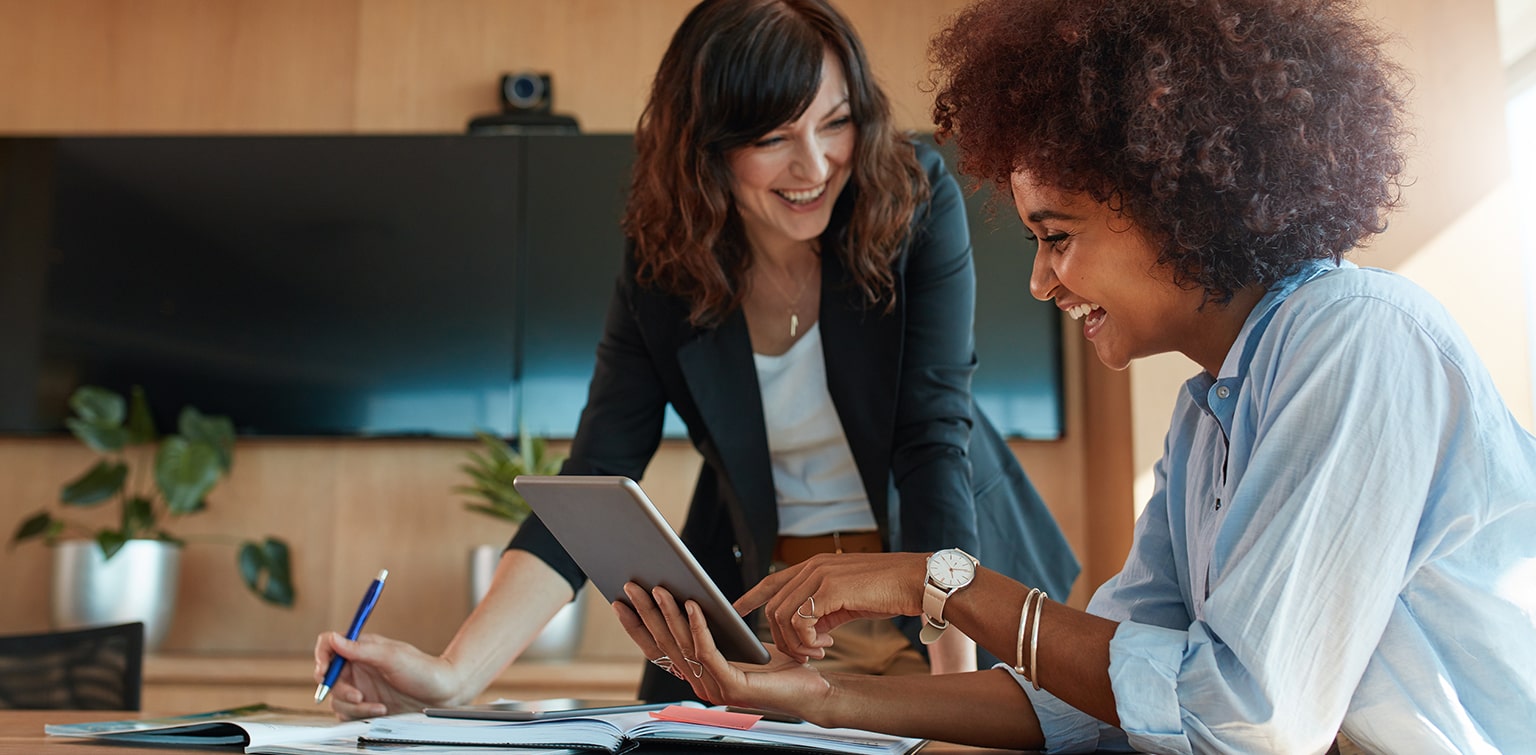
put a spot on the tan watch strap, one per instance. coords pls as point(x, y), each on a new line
point(933, 613)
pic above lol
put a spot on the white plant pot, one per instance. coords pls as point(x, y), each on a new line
point(137, 584)
point(560, 638)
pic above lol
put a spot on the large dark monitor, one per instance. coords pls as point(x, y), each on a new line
point(300, 285)
point(364, 285)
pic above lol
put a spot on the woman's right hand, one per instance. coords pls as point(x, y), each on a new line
point(383, 676)
point(835, 589)
point(678, 639)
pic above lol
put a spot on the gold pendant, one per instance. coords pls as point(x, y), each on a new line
point(794, 324)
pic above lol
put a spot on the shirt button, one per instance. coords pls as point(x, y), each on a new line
point(1223, 392)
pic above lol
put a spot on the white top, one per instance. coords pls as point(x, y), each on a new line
point(815, 481)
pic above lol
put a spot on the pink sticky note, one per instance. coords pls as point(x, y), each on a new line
point(706, 716)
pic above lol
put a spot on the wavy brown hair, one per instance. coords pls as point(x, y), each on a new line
point(1244, 136)
point(734, 71)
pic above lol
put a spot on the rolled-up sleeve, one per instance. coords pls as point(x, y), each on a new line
point(1066, 728)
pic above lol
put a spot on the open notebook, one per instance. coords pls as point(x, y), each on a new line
point(616, 733)
point(250, 726)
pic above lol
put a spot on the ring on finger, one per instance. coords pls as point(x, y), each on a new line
point(664, 663)
point(802, 614)
point(695, 666)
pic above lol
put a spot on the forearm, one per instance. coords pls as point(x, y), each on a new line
point(523, 596)
point(1071, 657)
point(985, 708)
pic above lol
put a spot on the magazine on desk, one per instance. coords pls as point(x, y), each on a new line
point(618, 733)
point(250, 725)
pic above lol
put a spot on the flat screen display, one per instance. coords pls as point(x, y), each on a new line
point(366, 285)
point(301, 286)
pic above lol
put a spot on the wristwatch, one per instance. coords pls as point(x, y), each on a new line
point(949, 570)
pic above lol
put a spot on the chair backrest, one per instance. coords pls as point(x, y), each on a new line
point(101, 668)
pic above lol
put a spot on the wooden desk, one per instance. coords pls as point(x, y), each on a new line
point(21, 733)
point(196, 682)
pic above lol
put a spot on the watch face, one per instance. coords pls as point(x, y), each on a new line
point(951, 568)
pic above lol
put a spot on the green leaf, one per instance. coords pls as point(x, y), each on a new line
point(538, 460)
point(35, 526)
point(493, 466)
point(269, 559)
point(98, 484)
point(214, 431)
point(141, 422)
point(111, 541)
point(185, 471)
point(98, 406)
point(101, 438)
point(98, 420)
point(138, 515)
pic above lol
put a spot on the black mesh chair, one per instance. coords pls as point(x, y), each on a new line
point(101, 668)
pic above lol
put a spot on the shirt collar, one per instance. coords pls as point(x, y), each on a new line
point(1258, 320)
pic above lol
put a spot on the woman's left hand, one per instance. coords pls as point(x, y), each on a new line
point(682, 644)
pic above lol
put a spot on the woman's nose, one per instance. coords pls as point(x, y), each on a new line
point(1042, 278)
point(810, 162)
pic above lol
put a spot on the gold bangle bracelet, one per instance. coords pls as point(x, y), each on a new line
point(1034, 642)
point(1018, 654)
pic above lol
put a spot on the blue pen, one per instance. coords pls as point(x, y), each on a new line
point(369, 598)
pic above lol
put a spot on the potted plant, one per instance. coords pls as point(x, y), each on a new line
point(100, 572)
point(491, 468)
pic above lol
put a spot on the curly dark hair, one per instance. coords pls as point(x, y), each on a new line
point(734, 71)
point(1243, 136)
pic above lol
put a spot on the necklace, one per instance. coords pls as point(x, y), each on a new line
point(794, 301)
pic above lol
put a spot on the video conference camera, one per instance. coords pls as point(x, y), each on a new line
point(527, 104)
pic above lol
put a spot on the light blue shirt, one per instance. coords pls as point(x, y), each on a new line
point(1342, 535)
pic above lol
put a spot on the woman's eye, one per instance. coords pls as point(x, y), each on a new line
point(840, 122)
point(768, 141)
point(1055, 238)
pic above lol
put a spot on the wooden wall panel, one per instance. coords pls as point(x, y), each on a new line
point(164, 66)
point(104, 66)
point(431, 66)
point(1458, 152)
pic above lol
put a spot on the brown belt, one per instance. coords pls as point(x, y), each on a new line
point(792, 550)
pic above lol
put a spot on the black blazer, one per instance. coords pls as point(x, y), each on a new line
point(936, 472)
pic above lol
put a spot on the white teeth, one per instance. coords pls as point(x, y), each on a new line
point(1079, 311)
point(801, 197)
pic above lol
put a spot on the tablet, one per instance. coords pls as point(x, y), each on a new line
point(615, 535)
point(539, 710)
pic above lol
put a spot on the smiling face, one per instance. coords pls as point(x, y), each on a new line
point(786, 182)
point(1102, 271)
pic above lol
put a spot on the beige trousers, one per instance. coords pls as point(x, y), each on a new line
point(868, 646)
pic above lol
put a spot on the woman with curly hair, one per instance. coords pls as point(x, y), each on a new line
point(1340, 538)
point(799, 289)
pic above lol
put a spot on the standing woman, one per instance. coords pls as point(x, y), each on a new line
point(1342, 530)
point(799, 287)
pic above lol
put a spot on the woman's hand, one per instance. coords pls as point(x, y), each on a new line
point(805, 602)
point(383, 676)
point(681, 643)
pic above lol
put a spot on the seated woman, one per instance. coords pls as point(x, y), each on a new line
point(1343, 527)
